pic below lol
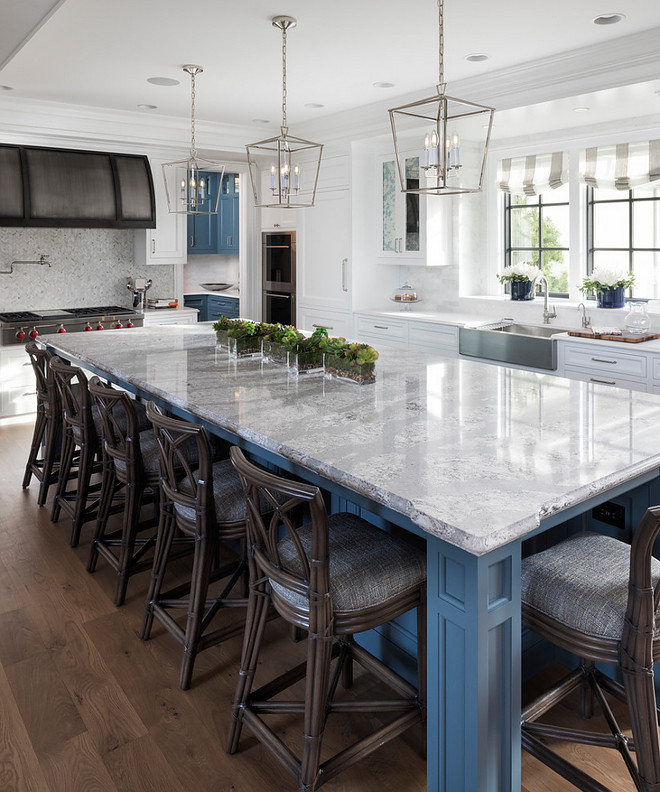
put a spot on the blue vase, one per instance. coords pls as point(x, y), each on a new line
point(522, 290)
point(614, 297)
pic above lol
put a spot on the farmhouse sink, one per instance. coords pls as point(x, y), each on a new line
point(528, 345)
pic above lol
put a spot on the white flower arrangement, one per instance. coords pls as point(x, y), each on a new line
point(603, 278)
point(524, 271)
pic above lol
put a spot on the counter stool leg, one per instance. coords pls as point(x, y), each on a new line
point(129, 530)
point(66, 463)
point(53, 440)
point(166, 531)
point(84, 474)
point(105, 501)
point(199, 586)
point(37, 436)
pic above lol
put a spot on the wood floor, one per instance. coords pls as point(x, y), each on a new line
point(86, 706)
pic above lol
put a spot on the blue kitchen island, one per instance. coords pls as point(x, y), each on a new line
point(472, 459)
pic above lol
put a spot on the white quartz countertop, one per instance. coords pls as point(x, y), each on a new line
point(475, 454)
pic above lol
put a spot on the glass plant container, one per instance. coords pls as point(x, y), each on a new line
point(310, 362)
point(637, 320)
point(275, 352)
point(245, 346)
point(343, 369)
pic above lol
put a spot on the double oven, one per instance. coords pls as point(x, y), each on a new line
point(279, 276)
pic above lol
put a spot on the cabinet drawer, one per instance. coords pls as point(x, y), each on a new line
point(222, 306)
point(655, 369)
point(384, 328)
point(600, 378)
point(337, 324)
point(431, 336)
point(605, 361)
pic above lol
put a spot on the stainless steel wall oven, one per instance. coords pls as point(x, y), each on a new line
point(279, 276)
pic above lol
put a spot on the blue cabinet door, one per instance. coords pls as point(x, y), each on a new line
point(228, 221)
point(198, 301)
point(222, 306)
point(203, 228)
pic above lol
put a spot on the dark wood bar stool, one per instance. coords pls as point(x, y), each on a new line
point(130, 462)
point(47, 427)
point(203, 501)
point(598, 598)
point(81, 435)
point(333, 577)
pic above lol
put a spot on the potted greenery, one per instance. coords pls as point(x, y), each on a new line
point(306, 353)
point(355, 362)
point(521, 276)
point(279, 341)
point(221, 327)
point(245, 337)
point(610, 285)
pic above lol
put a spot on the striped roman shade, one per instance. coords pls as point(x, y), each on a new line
point(621, 166)
point(533, 174)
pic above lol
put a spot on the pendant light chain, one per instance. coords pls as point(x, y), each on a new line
point(441, 45)
point(284, 125)
point(193, 149)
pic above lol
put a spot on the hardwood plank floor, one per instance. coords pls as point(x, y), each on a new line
point(86, 706)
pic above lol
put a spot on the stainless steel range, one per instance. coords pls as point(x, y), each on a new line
point(20, 326)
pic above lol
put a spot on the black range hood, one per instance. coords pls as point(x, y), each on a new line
point(68, 188)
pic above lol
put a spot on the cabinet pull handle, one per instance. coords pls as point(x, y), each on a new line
point(344, 287)
point(153, 245)
point(276, 225)
point(396, 244)
point(228, 241)
point(602, 382)
point(192, 240)
point(381, 327)
point(325, 327)
point(602, 360)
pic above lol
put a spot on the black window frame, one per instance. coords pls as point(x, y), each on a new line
point(540, 249)
point(627, 197)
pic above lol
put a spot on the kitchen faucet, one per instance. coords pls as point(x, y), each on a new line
point(549, 312)
point(586, 320)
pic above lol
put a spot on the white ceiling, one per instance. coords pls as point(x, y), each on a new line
point(99, 53)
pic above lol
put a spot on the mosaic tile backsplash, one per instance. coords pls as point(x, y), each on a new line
point(88, 266)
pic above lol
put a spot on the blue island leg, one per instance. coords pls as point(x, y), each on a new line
point(474, 669)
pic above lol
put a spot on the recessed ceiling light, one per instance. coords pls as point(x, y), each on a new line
point(383, 85)
point(477, 57)
point(314, 105)
point(580, 109)
point(260, 121)
point(147, 107)
point(162, 81)
point(608, 19)
point(6, 88)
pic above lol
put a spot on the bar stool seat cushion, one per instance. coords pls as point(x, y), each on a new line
point(228, 494)
point(582, 583)
point(367, 565)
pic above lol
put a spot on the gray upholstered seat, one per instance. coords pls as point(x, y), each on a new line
point(582, 583)
point(367, 565)
point(227, 493)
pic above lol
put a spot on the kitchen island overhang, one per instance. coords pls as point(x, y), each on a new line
point(472, 457)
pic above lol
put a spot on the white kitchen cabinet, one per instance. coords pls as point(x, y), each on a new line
point(402, 216)
point(601, 363)
point(18, 388)
point(324, 250)
point(433, 337)
point(165, 244)
point(337, 323)
point(377, 330)
point(161, 316)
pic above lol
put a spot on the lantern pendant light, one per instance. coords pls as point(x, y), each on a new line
point(284, 170)
point(191, 185)
point(450, 135)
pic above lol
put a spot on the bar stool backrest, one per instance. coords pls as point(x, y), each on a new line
point(46, 389)
point(76, 400)
point(185, 456)
point(308, 574)
point(120, 429)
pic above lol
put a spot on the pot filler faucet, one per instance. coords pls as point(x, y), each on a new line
point(549, 311)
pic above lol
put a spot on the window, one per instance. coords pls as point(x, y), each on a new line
point(537, 216)
point(536, 230)
point(623, 232)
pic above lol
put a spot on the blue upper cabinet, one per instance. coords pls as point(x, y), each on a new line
point(217, 233)
point(228, 226)
point(203, 228)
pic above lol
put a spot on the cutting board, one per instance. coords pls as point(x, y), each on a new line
point(627, 338)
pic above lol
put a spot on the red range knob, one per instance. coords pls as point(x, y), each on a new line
point(20, 335)
point(130, 324)
point(99, 326)
point(88, 328)
point(61, 329)
point(119, 326)
point(34, 332)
